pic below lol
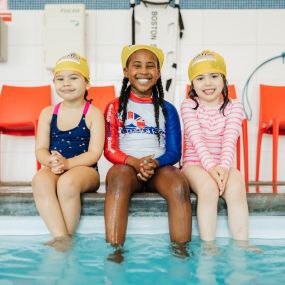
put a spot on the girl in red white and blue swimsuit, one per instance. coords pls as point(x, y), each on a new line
point(143, 141)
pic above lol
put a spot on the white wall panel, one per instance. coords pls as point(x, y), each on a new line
point(229, 27)
point(24, 63)
point(270, 27)
point(25, 29)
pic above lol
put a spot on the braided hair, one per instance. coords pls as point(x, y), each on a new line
point(193, 95)
point(158, 100)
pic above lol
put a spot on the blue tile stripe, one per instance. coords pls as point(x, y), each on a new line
point(125, 4)
point(232, 4)
point(89, 4)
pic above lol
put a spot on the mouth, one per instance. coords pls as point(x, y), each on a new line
point(143, 80)
point(66, 91)
point(209, 91)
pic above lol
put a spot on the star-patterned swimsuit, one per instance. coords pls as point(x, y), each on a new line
point(72, 142)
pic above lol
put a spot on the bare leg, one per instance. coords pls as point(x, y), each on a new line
point(44, 189)
point(235, 197)
point(172, 185)
point(207, 200)
point(69, 187)
point(121, 182)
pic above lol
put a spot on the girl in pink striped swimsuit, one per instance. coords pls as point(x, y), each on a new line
point(211, 128)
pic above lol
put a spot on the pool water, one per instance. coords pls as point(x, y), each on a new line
point(147, 259)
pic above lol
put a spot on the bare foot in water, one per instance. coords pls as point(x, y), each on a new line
point(180, 249)
point(61, 243)
point(210, 248)
point(248, 247)
point(117, 255)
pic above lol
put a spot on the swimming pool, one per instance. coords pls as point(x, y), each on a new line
point(148, 256)
point(148, 259)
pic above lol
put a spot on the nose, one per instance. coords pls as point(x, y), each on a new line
point(207, 80)
point(66, 82)
point(143, 70)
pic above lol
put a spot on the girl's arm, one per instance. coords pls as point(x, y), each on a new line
point(111, 149)
point(172, 152)
point(43, 136)
point(192, 132)
point(231, 134)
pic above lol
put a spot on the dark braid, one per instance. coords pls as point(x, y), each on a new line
point(85, 97)
point(158, 100)
point(123, 100)
point(192, 94)
point(225, 93)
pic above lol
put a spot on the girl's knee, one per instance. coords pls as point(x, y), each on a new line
point(208, 191)
point(119, 170)
point(68, 187)
point(176, 184)
point(179, 193)
point(41, 181)
point(36, 182)
point(120, 176)
point(236, 184)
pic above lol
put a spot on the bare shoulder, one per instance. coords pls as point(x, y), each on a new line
point(46, 113)
point(94, 112)
point(94, 116)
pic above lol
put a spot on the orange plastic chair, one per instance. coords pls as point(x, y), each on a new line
point(232, 95)
point(101, 96)
point(271, 122)
point(20, 108)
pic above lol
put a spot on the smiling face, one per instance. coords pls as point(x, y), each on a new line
point(70, 85)
point(143, 72)
point(209, 88)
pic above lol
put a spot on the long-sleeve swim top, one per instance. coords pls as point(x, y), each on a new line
point(140, 136)
point(209, 136)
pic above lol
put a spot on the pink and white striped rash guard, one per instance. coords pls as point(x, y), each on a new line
point(209, 136)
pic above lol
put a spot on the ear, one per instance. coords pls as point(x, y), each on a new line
point(126, 73)
point(88, 86)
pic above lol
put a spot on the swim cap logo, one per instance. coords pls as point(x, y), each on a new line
point(203, 57)
point(72, 57)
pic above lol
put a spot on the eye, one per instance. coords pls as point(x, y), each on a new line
point(136, 65)
point(215, 75)
point(150, 65)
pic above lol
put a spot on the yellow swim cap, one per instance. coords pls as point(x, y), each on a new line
point(129, 50)
point(75, 62)
point(206, 62)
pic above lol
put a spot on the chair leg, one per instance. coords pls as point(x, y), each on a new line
point(245, 153)
point(275, 153)
point(257, 165)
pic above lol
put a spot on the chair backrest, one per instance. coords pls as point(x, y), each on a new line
point(232, 91)
point(101, 96)
point(187, 90)
point(272, 102)
point(20, 107)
